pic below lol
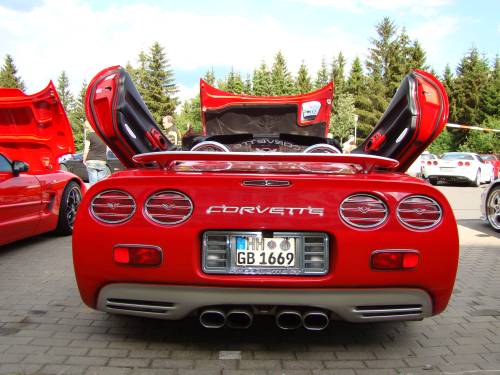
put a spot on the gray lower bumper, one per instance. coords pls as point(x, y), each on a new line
point(354, 305)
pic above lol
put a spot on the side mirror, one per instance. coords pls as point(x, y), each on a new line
point(18, 167)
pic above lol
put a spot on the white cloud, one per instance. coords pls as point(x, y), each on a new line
point(72, 35)
point(415, 6)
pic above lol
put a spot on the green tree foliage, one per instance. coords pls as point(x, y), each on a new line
point(321, 75)
point(449, 84)
point(483, 142)
point(281, 79)
point(337, 73)
point(343, 120)
point(303, 82)
point(233, 83)
point(356, 82)
point(209, 77)
point(189, 117)
point(64, 92)
point(470, 83)
point(443, 143)
point(9, 77)
point(247, 85)
point(77, 117)
point(261, 81)
point(491, 93)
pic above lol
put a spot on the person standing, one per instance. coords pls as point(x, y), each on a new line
point(171, 130)
point(94, 155)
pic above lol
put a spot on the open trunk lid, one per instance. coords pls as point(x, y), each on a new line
point(34, 128)
point(228, 113)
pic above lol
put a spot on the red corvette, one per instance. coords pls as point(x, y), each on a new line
point(262, 214)
point(35, 196)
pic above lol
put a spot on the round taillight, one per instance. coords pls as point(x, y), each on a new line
point(467, 164)
point(168, 207)
point(460, 163)
point(429, 162)
point(112, 206)
point(322, 148)
point(210, 146)
point(419, 212)
point(435, 162)
point(363, 211)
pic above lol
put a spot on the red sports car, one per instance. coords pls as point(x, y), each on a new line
point(35, 196)
point(263, 216)
point(495, 162)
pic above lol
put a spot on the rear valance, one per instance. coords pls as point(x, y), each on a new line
point(268, 162)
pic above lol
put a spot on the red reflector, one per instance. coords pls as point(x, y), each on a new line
point(394, 260)
point(137, 255)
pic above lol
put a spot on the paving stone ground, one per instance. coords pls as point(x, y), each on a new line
point(45, 328)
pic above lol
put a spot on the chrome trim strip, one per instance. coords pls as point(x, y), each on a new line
point(266, 183)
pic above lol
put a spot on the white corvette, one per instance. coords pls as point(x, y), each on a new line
point(459, 167)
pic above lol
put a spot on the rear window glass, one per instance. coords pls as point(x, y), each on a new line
point(427, 156)
point(457, 156)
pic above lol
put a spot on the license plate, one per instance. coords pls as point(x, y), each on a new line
point(255, 251)
point(447, 169)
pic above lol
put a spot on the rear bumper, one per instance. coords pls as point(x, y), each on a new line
point(353, 305)
point(452, 178)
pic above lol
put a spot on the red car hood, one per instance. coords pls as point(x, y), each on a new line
point(227, 113)
point(34, 128)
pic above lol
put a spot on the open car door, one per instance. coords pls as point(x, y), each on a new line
point(416, 115)
point(118, 114)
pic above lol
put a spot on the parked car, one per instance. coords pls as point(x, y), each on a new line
point(74, 164)
point(417, 169)
point(428, 162)
point(490, 205)
point(460, 167)
point(35, 196)
point(494, 161)
point(262, 215)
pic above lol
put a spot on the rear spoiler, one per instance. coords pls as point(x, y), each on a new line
point(168, 159)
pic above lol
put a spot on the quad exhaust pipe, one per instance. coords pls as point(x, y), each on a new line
point(313, 320)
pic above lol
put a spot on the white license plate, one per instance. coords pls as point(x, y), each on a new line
point(447, 169)
point(277, 252)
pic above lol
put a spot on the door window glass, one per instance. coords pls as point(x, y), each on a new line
point(4, 164)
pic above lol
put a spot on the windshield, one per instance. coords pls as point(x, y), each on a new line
point(457, 156)
point(488, 157)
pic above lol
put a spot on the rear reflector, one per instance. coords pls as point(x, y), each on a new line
point(137, 255)
point(394, 260)
point(267, 167)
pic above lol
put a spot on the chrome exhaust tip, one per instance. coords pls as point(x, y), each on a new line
point(315, 320)
point(239, 319)
point(288, 319)
point(213, 318)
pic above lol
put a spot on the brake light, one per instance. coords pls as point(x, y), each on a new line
point(435, 162)
point(419, 212)
point(168, 207)
point(392, 260)
point(363, 211)
point(460, 163)
point(137, 255)
point(467, 164)
point(429, 162)
point(112, 206)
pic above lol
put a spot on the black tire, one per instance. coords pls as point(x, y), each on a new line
point(70, 200)
point(477, 181)
point(433, 180)
point(493, 208)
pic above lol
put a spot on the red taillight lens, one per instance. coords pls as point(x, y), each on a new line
point(394, 260)
point(363, 211)
point(435, 162)
point(137, 255)
point(460, 163)
point(467, 164)
point(168, 207)
point(419, 212)
point(429, 162)
point(112, 206)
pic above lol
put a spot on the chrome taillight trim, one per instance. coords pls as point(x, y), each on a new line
point(129, 196)
point(153, 196)
point(359, 226)
point(433, 201)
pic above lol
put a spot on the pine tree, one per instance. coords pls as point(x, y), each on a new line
point(233, 83)
point(189, 116)
point(261, 81)
point(337, 73)
point(209, 77)
point(160, 90)
point(281, 79)
point(247, 85)
point(8, 75)
point(321, 75)
point(303, 82)
point(343, 119)
point(417, 57)
point(77, 117)
point(64, 92)
point(491, 94)
point(449, 85)
point(470, 83)
point(381, 51)
point(356, 82)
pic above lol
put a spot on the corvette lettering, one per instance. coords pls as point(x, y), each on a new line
point(261, 210)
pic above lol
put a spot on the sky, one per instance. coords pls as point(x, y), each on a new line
point(83, 37)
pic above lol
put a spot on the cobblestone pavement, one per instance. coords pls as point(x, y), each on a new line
point(45, 329)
